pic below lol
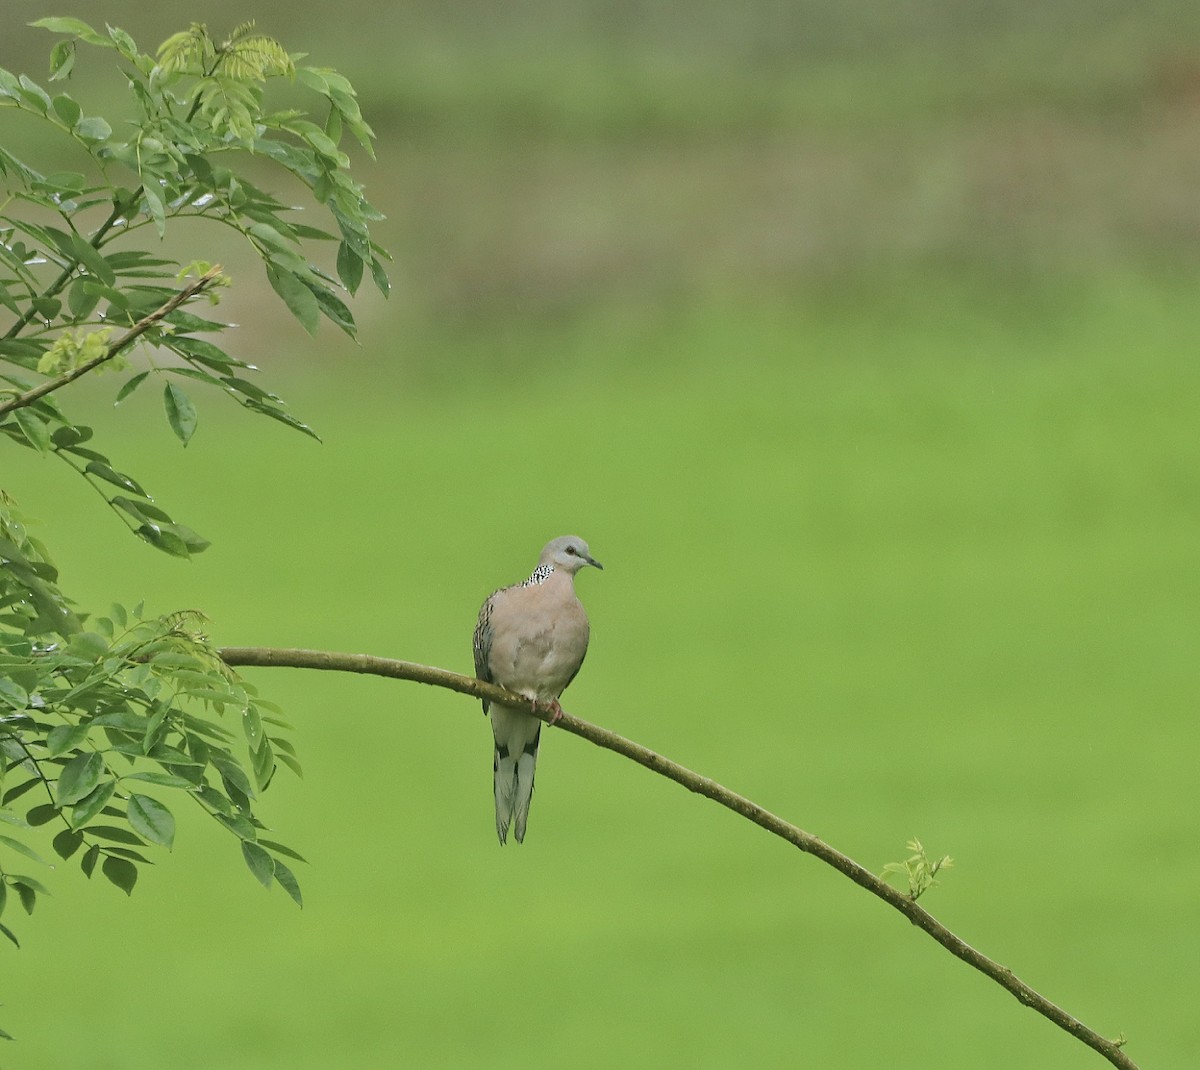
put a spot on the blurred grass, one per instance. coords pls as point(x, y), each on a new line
point(906, 572)
point(861, 346)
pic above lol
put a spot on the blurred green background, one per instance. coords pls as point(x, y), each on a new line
point(860, 340)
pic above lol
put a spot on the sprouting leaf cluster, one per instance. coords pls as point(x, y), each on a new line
point(77, 256)
point(918, 870)
point(110, 724)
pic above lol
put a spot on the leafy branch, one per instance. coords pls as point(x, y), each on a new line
point(189, 291)
point(100, 714)
point(107, 718)
point(200, 104)
point(710, 789)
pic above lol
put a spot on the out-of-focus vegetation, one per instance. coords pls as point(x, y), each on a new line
point(549, 157)
point(861, 345)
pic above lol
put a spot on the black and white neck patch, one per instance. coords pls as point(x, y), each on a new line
point(540, 575)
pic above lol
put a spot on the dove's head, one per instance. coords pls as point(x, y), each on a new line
point(569, 553)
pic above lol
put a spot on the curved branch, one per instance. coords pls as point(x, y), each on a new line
point(739, 804)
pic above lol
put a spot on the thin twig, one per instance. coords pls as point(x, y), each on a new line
point(739, 804)
point(130, 336)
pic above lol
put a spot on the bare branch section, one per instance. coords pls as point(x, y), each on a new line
point(739, 804)
point(128, 338)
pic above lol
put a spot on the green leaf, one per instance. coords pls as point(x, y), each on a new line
point(33, 94)
point(62, 59)
point(164, 539)
point(181, 413)
point(151, 819)
point(171, 756)
point(333, 126)
point(379, 274)
point(19, 790)
point(252, 726)
point(65, 737)
point(66, 843)
point(154, 204)
point(248, 389)
point(21, 849)
point(201, 168)
point(78, 778)
point(264, 764)
point(287, 881)
point(88, 862)
point(349, 267)
point(42, 814)
point(65, 107)
point(281, 415)
point(298, 297)
point(27, 895)
point(47, 307)
point(303, 230)
point(110, 475)
point(261, 864)
point(88, 645)
point(121, 872)
point(195, 543)
point(335, 309)
point(36, 885)
point(187, 322)
point(82, 298)
point(92, 803)
point(125, 852)
point(205, 353)
point(93, 128)
point(71, 436)
point(87, 254)
point(34, 428)
point(125, 44)
point(129, 386)
point(271, 238)
point(65, 181)
point(140, 509)
point(13, 694)
point(114, 833)
point(280, 849)
point(9, 933)
point(200, 376)
point(290, 761)
point(75, 27)
point(166, 780)
point(6, 299)
point(236, 824)
point(233, 773)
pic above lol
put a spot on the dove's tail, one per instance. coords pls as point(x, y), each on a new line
point(516, 734)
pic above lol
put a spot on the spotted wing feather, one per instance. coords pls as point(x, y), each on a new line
point(483, 646)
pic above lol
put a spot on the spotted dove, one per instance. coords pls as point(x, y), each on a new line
point(531, 639)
